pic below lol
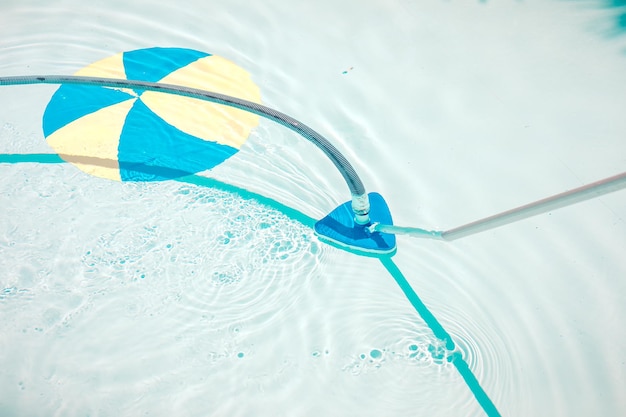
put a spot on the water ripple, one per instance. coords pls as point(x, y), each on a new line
point(135, 292)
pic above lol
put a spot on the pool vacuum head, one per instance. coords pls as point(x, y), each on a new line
point(340, 229)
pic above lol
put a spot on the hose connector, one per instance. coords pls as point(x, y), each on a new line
point(361, 209)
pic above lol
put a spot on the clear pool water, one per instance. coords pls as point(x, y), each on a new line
point(211, 296)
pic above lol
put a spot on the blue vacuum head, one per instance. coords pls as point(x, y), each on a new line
point(340, 230)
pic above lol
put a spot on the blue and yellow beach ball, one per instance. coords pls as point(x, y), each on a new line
point(129, 135)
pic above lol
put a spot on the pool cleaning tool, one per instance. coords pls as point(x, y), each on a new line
point(345, 226)
point(364, 224)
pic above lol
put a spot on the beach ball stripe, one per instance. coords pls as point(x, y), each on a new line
point(129, 135)
point(153, 64)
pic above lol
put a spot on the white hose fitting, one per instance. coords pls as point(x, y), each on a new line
point(361, 208)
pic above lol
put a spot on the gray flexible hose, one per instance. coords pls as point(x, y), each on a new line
point(357, 190)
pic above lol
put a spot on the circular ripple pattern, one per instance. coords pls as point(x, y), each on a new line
point(249, 266)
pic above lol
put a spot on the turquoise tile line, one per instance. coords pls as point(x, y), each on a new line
point(441, 334)
point(49, 158)
point(41, 158)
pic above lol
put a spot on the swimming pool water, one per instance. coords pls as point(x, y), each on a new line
point(212, 296)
